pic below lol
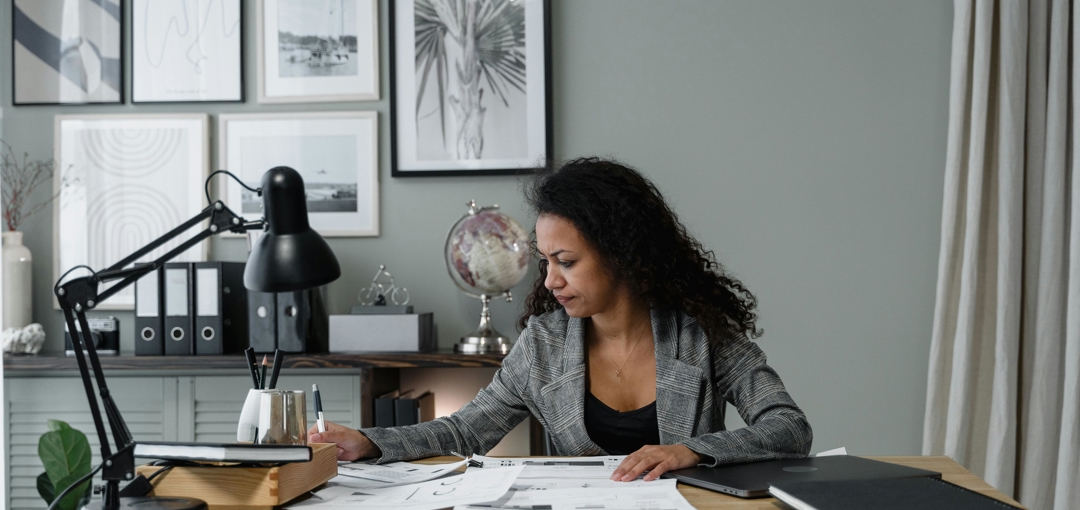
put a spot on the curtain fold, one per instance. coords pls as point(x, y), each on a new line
point(1003, 393)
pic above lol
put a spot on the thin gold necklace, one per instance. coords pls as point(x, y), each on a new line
point(618, 369)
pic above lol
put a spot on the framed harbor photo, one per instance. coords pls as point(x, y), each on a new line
point(469, 105)
point(335, 152)
point(66, 52)
point(126, 180)
point(318, 50)
point(186, 51)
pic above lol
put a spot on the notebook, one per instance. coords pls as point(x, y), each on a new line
point(892, 494)
point(225, 452)
point(752, 480)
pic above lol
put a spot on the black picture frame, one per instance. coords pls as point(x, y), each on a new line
point(39, 56)
point(404, 167)
point(136, 49)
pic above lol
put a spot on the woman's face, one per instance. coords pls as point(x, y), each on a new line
point(575, 272)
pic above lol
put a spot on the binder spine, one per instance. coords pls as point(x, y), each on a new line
point(178, 313)
point(234, 307)
point(149, 322)
point(262, 317)
point(293, 317)
point(206, 294)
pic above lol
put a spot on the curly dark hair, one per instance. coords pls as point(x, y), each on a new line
point(642, 242)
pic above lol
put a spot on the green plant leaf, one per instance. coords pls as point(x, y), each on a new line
point(45, 488)
point(58, 425)
point(64, 452)
point(74, 498)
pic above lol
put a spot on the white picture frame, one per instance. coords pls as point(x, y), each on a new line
point(494, 121)
point(300, 61)
point(184, 51)
point(123, 181)
point(335, 152)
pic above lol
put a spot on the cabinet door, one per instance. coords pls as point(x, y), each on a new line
point(218, 400)
point(147, 404)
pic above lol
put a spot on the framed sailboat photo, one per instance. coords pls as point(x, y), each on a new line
point(318, 51)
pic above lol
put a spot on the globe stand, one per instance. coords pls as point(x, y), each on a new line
point(485, 339)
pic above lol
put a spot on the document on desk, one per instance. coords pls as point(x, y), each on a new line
point(549, 473)
point(654, 495)
point(369, 476)
point(472, 487)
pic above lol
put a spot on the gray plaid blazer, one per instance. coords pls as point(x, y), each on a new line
point(544, 375)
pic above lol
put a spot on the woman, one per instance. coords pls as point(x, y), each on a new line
point(633, 339)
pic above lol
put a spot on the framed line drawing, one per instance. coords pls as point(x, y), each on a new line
point(126, 180)
point(186, 51)
point(335, 152)
point(318, 50)
point(477, 105)
point(66, 52)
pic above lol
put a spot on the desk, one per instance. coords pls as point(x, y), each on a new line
point(708, 500)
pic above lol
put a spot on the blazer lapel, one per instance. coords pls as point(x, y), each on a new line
point(678, 384)
point(564, 397)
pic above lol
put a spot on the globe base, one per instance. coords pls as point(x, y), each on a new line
point(485, 339)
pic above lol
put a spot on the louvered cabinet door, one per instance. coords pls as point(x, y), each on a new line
point(217, 401)
point(148, 405)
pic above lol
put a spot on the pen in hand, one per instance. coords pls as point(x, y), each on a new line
point(318, 408)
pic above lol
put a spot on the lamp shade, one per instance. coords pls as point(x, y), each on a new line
point(289, 256)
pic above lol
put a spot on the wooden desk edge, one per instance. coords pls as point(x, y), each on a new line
point(950, 471)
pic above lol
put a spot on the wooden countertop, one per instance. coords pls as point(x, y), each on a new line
point(434, 359)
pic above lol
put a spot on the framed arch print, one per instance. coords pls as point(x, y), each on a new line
point(470, 87)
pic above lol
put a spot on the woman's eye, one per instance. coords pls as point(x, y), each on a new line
point(565, 263)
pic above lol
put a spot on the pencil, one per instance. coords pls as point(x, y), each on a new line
point(262, 377)
point(249, 354)
point(279, 358)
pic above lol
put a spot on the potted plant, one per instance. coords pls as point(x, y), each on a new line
point(65, 453)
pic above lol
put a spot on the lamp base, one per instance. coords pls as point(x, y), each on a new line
point(154, 503)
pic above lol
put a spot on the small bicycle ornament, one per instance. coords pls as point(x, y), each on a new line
point(380, 293)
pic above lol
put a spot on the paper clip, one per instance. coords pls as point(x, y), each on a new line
point(470, 462)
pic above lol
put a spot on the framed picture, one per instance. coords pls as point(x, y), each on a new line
point(186, 51)
point(123, 181)
point(475, 105)
point(66, 51)
point(335, 152)
point(318, 50)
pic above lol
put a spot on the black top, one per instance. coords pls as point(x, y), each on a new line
point(620, 433)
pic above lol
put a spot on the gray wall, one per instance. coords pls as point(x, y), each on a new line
point(803, 141)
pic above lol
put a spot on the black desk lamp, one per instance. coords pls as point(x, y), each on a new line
point(288, 257)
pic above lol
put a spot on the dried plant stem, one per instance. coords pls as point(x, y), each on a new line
point(20, 179)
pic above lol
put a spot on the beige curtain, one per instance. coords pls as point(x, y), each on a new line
point(1003, 394)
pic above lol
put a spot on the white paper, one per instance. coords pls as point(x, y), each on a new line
point(476, 486)
point(562, 472)
point(362, 476)
point(655, 495)
point(835, 451)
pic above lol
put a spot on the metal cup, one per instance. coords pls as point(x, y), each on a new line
point(282, 417)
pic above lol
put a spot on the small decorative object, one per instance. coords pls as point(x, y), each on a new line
point(336, 153)
point(470, 87)
point(487, 253)
point(67, 51)
point(323, 50)
point(65, 453)
point(20, 179)
point(379, 293)
point(27, 340)
point(186, 51)
point(132, 179)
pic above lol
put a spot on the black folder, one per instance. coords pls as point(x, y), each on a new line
point(178, 314)
point(924, 493)
point(410, 409)
point(220, 307)
point(384, 409)
point(149, 320)
point(262, 321)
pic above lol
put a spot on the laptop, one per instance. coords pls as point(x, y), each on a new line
point(752, 480)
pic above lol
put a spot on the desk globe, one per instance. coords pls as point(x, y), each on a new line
point(487, 253)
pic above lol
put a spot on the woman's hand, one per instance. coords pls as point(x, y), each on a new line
point(655, 459)
point(351, 444)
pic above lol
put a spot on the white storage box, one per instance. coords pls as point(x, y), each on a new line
point(411, 332)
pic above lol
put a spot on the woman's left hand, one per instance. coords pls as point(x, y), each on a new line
point(655, 459)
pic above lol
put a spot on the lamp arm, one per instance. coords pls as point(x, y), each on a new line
point(78, 295)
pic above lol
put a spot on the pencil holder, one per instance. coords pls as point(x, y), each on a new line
point(249, 418)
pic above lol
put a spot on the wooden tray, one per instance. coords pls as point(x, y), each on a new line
point(247, 488)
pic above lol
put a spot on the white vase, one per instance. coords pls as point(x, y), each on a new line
point(17, 270)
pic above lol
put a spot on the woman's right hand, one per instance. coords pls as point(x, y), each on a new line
point(351, 444)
